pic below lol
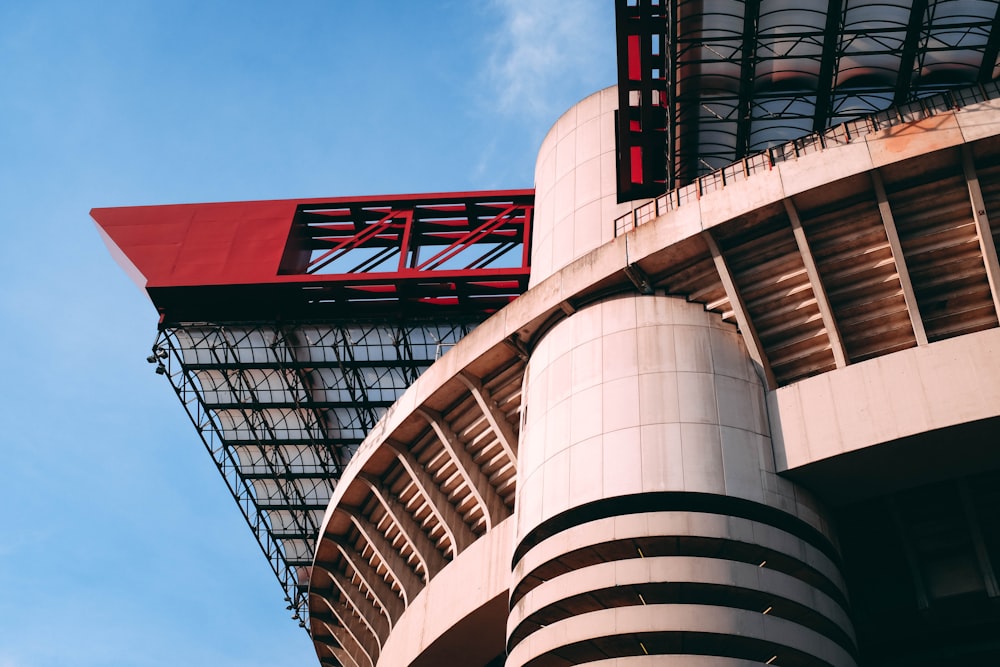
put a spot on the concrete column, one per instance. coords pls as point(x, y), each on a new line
point(489, 501)
point(425, 549)
point(458, 531)
point(576, 187)
point(393, 561)
point(391, 604)
point(645, 468)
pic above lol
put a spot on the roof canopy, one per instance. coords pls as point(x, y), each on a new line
point(306, 259)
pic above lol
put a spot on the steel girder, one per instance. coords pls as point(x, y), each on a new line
point(731, 77)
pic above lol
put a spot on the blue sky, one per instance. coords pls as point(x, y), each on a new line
point(119, 543)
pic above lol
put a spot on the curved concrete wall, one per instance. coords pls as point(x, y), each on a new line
point(575, 185)
point(646, 477)
point(643, 394)
point(433, 630)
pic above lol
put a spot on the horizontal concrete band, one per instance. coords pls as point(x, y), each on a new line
point(680, 534)
point(923, 389)
point(676, 501)
point(691, 580)
point(698, 629)
point(679, 660)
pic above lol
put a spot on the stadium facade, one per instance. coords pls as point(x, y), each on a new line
point(744, 411)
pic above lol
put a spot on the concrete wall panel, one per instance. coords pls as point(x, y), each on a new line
point(575, 186)
point(478, 576)
point(925, 388)
point(685, 372)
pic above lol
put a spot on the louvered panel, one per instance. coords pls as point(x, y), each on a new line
point(365, 552)
point(802, 357)
point(422, 512)
point(505, 388)
point(771, 276)
point(442, 469)
point(869, 276)
point(383, 522)
point(846, 263)
point(942, 253)
point(880, 335)
point(415, 504)
point(481, 443)
point(855, 264)
point(755, 248)
point(864, 316)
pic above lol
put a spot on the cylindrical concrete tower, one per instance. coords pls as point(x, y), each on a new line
point(576, 191)
point(651, 525)
point(609, 472)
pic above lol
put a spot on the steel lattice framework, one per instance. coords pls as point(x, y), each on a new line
point(703, 83)
point(287, 328)
point(281, 410)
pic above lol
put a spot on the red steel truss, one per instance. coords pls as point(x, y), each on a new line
point(644, 98)
point(293, 259)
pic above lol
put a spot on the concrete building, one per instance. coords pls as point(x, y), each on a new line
point(761, 427)
point(752, 421)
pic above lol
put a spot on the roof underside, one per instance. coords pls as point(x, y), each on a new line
point(706, 82)
point(288, 328)
point(282, 408)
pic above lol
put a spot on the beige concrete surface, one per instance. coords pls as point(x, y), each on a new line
point(669, 403)
point(479, 575)
point(575, 185)
point(948, 383)
point(679, 618)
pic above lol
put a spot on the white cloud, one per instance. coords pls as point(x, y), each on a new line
point(544, 51)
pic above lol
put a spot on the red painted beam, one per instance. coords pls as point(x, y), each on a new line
point(256, 260)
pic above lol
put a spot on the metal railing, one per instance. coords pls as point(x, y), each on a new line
point(837, 135)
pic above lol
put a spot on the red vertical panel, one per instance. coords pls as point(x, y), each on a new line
point(529, 211)
point(634, 58)
point(404, 244)
point(636, 156)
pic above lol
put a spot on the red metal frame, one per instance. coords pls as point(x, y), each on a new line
point(391, 255)
point(702, 85)
point(644, 98)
